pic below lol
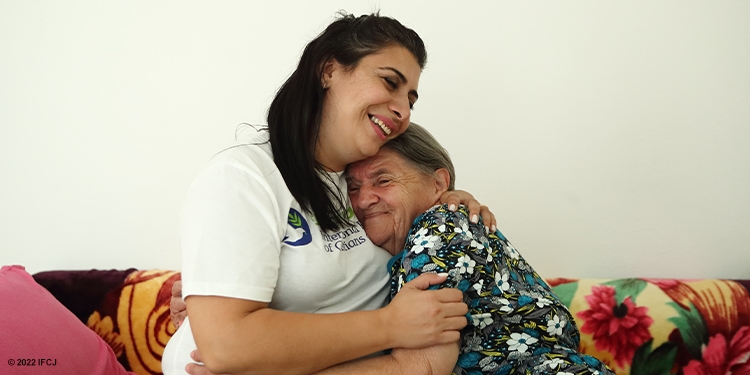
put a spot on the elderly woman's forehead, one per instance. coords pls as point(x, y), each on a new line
point(386, 155)
point(384, 158)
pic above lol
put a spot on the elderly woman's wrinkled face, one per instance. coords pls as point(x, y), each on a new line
point(387, 194)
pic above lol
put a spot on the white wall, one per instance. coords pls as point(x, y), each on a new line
point(612, 139)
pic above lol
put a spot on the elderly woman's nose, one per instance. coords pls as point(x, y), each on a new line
point(367, 196)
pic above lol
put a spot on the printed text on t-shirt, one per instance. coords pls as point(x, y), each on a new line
point(344, 240)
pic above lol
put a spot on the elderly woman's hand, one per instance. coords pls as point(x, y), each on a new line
point(455, 197)
point(177, 308)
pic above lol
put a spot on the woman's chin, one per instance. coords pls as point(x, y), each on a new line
point(370, 152)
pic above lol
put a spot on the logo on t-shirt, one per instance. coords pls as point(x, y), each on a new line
point(300, 228)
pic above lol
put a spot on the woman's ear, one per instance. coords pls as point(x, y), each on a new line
point(327, 72)
point(442, 181)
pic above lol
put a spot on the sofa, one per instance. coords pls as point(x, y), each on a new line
point(637, 326)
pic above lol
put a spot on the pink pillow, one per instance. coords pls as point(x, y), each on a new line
point(39, 332)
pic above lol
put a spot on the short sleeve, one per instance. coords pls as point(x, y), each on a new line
point(231, 233)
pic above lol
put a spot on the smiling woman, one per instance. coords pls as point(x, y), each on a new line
point(267, 235)
point(516, 321)
point(387, 194)
point(378, 93)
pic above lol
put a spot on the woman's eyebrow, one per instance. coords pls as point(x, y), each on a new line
point(373, 174)
point(380, 171)
point(402, 78)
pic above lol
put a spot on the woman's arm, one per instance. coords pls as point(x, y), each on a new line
point(434, 360)
point(246, 337)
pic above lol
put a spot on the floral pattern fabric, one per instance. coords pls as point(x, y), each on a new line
point(134, 320)
point(690, 327)
point(663, 326)
point(618, 328)
point(517, 325)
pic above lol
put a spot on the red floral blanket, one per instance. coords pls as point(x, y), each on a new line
point(662, 326)
point(637, 326)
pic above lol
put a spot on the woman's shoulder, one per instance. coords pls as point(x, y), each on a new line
point(251, 153)
point(441, 213)
point(248, 164)
point(450, 225)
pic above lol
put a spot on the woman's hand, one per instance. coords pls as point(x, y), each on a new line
point(197, 368)
point(419, 318)
point(455, 197)
point(416, 317)
point(177, 308)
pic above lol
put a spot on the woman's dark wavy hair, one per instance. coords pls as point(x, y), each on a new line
point(295, 113)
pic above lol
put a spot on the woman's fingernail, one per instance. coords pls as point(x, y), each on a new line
point(486, 230)
point(494, 228)
point(443, 274)
point(474, 218)
point(452, 207)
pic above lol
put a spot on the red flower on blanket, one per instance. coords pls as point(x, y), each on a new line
point(619, 329)
point(722, 358)
point(724, 305)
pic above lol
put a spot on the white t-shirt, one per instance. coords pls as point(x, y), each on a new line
point(245, 236)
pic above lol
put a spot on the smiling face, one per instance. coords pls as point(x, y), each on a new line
point(387, 194)
point(365, 106)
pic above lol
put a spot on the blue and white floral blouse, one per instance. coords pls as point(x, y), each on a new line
point(517, 325)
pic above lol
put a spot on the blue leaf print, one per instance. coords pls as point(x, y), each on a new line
point(530, 280)
point(469, 359)
point(463, 285)
point(420, 261)
point(541, 350)
point(524, 300)
point(591, 361)
point(575, 359)
point(532, 332)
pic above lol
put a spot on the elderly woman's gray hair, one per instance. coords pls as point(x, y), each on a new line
point(423, 151)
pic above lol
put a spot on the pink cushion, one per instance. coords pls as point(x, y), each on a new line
point(40, 332)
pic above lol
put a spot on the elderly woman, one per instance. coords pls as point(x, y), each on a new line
point(517, 325)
